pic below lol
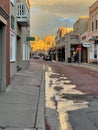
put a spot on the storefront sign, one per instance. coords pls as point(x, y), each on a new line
point(86, 44)
point(30, 38)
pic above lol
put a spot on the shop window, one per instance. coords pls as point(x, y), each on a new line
point(97, 21)
point(24, 51)
point(12, 47)
point(92, 23)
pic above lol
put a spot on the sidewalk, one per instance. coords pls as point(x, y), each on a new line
point(22, 105)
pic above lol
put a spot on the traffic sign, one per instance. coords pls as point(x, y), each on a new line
point(30, 39)
point(78, 48)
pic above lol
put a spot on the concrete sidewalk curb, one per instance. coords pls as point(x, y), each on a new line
point(40, 122)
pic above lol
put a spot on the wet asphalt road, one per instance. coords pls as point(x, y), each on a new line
point(71, 96)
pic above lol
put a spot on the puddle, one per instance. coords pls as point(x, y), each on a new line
point(54, 76)
point(79, 97)
point(58, 88)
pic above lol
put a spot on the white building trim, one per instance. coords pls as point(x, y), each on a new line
point(12, 47)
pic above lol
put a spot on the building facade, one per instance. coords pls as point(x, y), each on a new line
point(19, 31)
point(4, 44)
point(81, 25)
point(60, 40)
point(86, 45)
point(69, 46)
point(72, 41)
point(78, 50)
point(93, 33)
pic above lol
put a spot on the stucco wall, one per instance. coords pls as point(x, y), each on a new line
point(5, 5)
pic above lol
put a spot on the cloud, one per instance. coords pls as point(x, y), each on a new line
point(64, 7)
point(47, 15)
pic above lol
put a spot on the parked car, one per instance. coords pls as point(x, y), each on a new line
point(47, 58)
point(36, 57)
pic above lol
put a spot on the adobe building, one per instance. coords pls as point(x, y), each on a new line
point(68, 43)
point(74, 51)
point(4, 44)
point(60, 43)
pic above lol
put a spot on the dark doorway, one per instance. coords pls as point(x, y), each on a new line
point(84, 56)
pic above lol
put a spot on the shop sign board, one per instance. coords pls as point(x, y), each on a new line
point(30, 38)
point(86, 44)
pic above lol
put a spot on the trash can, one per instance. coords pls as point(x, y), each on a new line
point(69, 60)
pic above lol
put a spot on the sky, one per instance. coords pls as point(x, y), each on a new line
point(46, 16)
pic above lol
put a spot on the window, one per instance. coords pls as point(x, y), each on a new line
point(22, 9)
point(74, 37)
point(12, 47)
point(12, 22)
point(97, 21)
point(24, 51)
point(28, 53)
point(92, 23)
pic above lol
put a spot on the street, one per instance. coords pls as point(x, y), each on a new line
point(71, 97)
point(48, 65)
